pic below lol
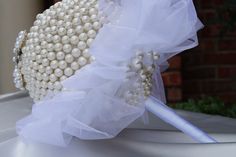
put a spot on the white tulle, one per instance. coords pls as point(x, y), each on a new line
point(90, 106)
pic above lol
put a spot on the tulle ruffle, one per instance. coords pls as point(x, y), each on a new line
point(91, 104)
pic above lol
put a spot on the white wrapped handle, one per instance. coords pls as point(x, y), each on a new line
point(168, 115)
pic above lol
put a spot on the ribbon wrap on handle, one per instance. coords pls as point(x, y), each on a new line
point(168, 115)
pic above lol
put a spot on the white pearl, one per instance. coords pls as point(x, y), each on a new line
point(60, 55)
point(37, 22)
point(85, 19)
point(89, 41)
point(76, 52)
point(67, 48)
point(94, 17)
point(71, 11)
point(156, 56)
point(70, 32)
point(79, 29)
point(51, 56)
point(61, 15)
point(69, 58)
point(75, 21)
point(52, 14)
point(61, 31)
point(50, 47)
point(65, 39)
point(62, 64)
point(83, 36)
point(62, 78)
point(82, 61)
point(82, 10)
point(44, 53)
point(68, 25)
point(33, 56)
point(53, 30)
point(41, 68)
point(56, 39)
point(74, 40)
point(45, 62)
point(39, 16)
point(76, 8)
point(67, 18)
point(45, 77)
point(75, 66)
point(92, 34)
point(35, 35)
point(86, 53)
point(58, 47)
point(81, 45)
point(92, 11)
point(53, 22)
point(35, 66)
point(37, 49)
point(76, 15)
point(97, 25)
point(87, 26)
point(44, 44)
point(58, 85)
point(39, 76)
point(60, 23)
point(36, 40)
point(58, 72)
point(53, 78)
point(47, 30)
point(44, 85)
point(68, 72)
point(54, 64)
point(38, 58)
point(50, 85)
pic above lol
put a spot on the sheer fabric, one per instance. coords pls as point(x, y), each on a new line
point(90, 106)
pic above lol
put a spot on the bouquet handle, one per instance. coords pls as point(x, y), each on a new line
point(168, 115)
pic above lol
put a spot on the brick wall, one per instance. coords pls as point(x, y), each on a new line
point(173, 80)
point(210, 69)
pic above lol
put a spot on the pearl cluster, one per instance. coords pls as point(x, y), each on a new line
point(58, 45)
point(18, 78)
point(140, 74)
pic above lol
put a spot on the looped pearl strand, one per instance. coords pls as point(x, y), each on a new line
point(140, 76)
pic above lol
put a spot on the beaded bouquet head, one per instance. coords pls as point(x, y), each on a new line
point(92, 66)
point(56, 46)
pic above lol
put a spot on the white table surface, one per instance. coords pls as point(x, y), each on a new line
point(155, 139)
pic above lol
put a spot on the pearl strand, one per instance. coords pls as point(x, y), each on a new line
point(139, 75)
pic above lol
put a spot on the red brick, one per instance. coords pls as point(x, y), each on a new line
point(203, 72)
point(211, 30)
point(191, 87)
point(174, 94)
point(226, 72)
point(220, 59)
point(206, 4)
point(207, 45)
point(227, 44)
point(172, 79)
point(175, 62)
point(207, 16)
point(216, 86)
point(218, 2)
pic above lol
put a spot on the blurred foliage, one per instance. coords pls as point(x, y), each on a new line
point(208, 105)
point(226, 16)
